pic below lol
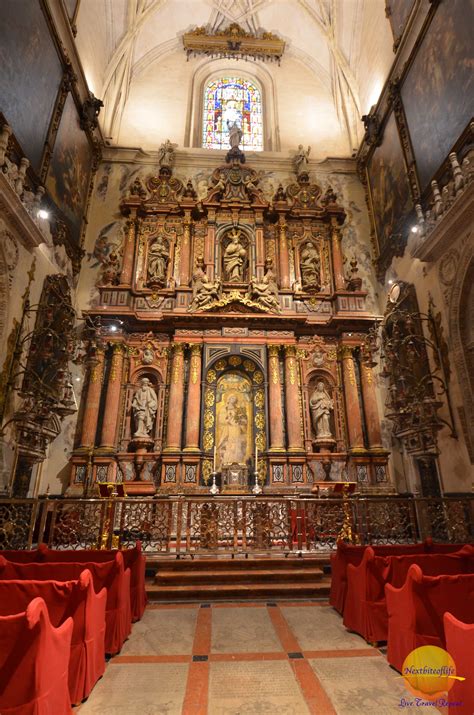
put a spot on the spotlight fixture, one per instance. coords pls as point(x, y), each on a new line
point(113, 328)
point(43, 214)
point(414, 229)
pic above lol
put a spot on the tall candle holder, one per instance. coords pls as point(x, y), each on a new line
point(257, 489)
point(214, 490)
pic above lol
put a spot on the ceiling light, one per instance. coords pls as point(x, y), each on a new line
point(43, 214)
point(414, 229)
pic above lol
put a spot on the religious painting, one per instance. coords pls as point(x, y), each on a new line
point(30, 77)
point(389, 187)
point(234, 410)
point(438, 92)
point(398, 12)
point(69, 171)
point(229, 101)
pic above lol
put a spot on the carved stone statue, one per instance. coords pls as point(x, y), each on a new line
point(144, 406)
point(235, 257)
point(310, 264)
point(235, 134)
point(265, 290)
point(301, 160)
point(321, 405)
point(158, 258)
point(204, 290)
point(166, 154)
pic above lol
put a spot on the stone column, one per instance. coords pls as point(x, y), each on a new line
point(193, 408)
point(274, 400)
point(354, 421)
point(184, 276)
point(259, 247)
point(339, 279)
point(210, 245)
point(284, 256)
point(176, 400)
point(94, 389)
point(293, 412)
point(370, 407)
point(126, 274)
point(112, 399)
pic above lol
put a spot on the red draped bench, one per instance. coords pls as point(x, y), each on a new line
point(460, 644)
point(133, 559)
point(110, 574)
point(365, 609)
point(34, 659)
point(64, 599)
point(416, 610)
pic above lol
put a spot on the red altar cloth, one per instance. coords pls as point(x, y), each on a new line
point(416, 610)
point(75, 599)
point(110, 574)
point(133, 559)
point(34, 659)
point(365, 609)
point(460, 645)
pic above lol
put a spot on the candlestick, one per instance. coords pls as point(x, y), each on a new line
point(256, 458)
point(214, 467)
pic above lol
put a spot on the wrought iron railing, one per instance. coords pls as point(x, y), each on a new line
point(200, 525)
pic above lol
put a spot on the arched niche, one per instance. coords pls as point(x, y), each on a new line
point(246, 239)
point(128, 426)
point(312, 379)
point(258, 75)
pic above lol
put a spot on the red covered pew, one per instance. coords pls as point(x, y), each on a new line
point(416, 610)
point(75, 599)
point(133, 559)
point(110, 574)
point(365, 609)
point(460, 645)
point(34, 659)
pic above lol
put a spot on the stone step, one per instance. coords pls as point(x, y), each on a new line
point(240, 562)
point(261, 591)
point(198, 575)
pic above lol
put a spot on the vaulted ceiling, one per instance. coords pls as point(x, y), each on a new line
point(337, 57)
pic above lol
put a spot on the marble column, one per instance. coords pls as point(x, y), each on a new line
point(283, 252)
point(339, 280)
point(92, 402)
point(193, 408)
point(184, 276)
point(354, 421)
point(293, 411)
point(370, 407)
point(274, 400)
point(176, 399)
point(112, 398)
point(126, 274)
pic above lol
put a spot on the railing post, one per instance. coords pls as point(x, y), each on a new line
point(42, 524)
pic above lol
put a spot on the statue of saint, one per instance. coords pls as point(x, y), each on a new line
point(233, 428)
point(301, 160)
point(158, 257)
point(235, 257)
point(321, 406)
point(204, 290)
point(166, 154)
point(265, 290)
point(310, 264)
point(235, 134)
point(144, 406)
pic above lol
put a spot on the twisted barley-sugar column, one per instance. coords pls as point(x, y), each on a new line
point(176, 399)
point(274, 400)
point(283, 252)
point(354, 420)
point(193, 407)
point(129, 253)
point(112, 398)
point(370, 407)
point(94, 389)
point(339, 279)
point(293, 413)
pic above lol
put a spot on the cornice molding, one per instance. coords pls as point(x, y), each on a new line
point(16, 217)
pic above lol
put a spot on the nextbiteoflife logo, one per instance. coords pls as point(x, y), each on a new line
point(429, 673)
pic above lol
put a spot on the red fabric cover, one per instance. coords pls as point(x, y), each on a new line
point(75, 599)
point(460, 645)
point(365, 609)
point(133, 559)
point(348, 554)
point(110, 574)
point(34, 659)
point(415, 611)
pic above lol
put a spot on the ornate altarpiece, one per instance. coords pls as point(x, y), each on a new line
point(238, 312)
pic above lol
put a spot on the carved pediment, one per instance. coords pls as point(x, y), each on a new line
point(235, 184)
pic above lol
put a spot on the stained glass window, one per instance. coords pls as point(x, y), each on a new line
point(228, 101)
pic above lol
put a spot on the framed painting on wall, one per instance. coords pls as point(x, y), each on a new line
point(438, 90)
point(70, 168)
point(398, 12)
point(389, 187)
point(30, 76)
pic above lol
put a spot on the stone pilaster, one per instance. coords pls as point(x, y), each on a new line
point(293, 412)
point(176, 399)
point(351, 396)
point(94, 389)
point(126, 274)
point(274, 400)
point(112, 399)
point(283, 252)
point(193, 407)
point(339, 279)
point(370, 408)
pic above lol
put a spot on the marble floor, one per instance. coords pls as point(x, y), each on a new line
point(246, 659)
